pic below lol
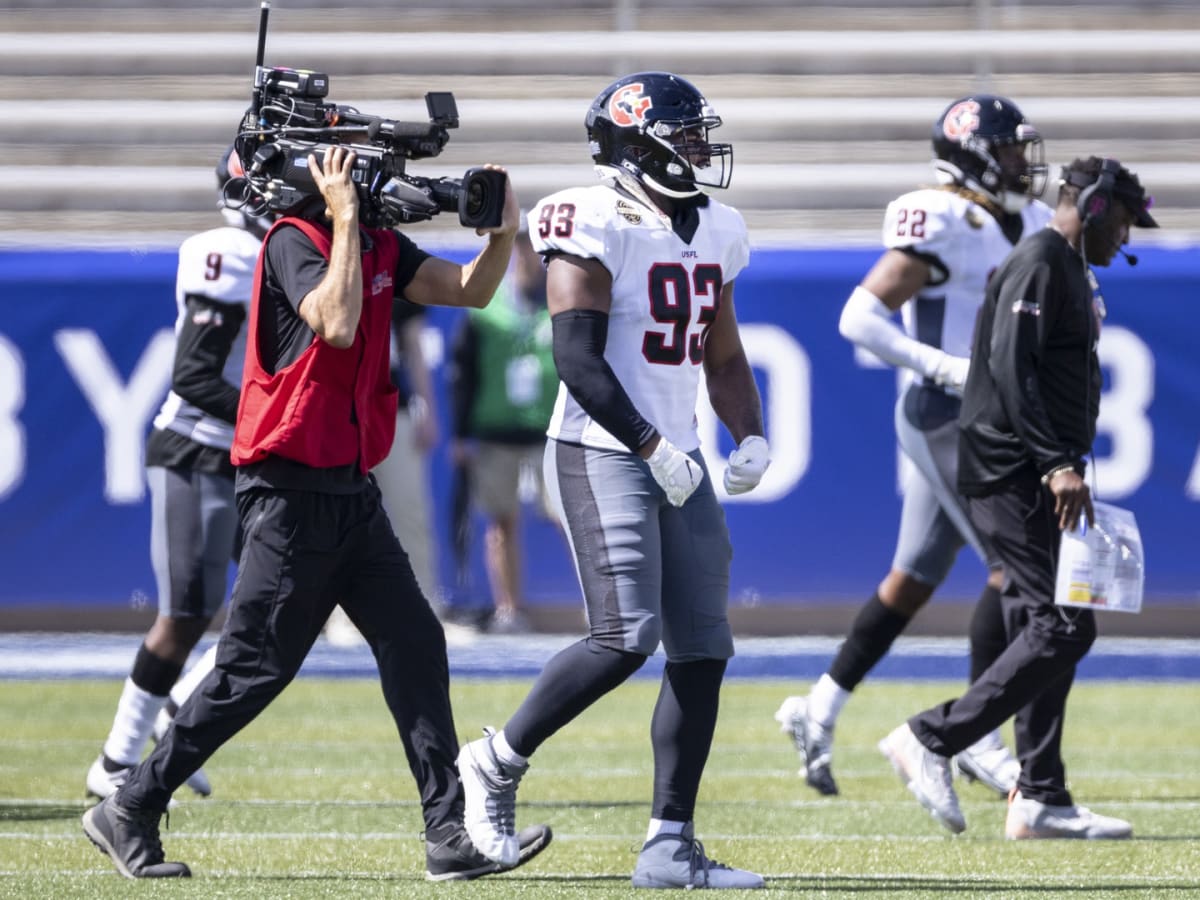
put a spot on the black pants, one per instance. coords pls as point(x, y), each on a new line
point(304, 553)
point(1032, 677)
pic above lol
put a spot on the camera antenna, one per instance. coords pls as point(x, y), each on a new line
point(259, 71)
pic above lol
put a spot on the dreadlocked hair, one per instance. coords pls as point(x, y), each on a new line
point(975, 197)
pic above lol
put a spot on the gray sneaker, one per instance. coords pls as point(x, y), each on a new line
point(813, 742)
point(453, 857)
point(679, 861)
point(926, 774)
point(129, 837)
point(490, 800)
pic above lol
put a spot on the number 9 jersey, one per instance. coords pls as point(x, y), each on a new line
point(666, 292)
point(213, 287)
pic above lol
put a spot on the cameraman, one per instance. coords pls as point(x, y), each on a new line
point(318, 411)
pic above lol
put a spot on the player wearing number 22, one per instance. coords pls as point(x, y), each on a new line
point(640, 272)
point(941, 245)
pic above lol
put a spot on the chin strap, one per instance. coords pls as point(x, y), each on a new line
point(634, 186)
point(668, 192)
point(952, 177)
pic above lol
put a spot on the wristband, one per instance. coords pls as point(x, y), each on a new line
point(1057, 470)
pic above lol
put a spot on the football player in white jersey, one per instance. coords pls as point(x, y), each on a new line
point(640, 272)
point(194, 521)
point(942, 244)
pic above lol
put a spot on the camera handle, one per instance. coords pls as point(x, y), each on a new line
point(408, 202)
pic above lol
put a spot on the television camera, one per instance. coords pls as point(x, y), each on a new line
point(290, 119)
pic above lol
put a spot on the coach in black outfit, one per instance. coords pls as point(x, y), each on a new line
point(1027, 424)
point(318, 411)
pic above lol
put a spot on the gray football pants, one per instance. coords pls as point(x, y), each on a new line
point(934, 524)
point(193, 526)
point(649, 571)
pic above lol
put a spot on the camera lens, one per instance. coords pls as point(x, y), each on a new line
point(477, 197)
point(481, 202)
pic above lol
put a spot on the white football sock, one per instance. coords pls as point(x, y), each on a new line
point(136, 711)
point(825, 701)
point(506, 754)
point(192, 677)
point(664, 826)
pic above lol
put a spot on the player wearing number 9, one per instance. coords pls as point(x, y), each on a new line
point(193, 514)
point(640, 273)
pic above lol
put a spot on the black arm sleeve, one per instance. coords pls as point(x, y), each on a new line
point(579, 339)
point(464, 376)
point(201, 349)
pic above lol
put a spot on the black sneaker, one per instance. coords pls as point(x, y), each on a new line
point(129, 837)
point(455, 858)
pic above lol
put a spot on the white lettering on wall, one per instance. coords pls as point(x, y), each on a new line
point(1123, 413)
point(12, 433)
point(124, 410)
point(1193, 482)
point(787, 412)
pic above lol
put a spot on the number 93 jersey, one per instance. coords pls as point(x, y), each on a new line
point(963, 244)
point(666, 292)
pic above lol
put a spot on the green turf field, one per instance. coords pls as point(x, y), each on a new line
point(315, 800)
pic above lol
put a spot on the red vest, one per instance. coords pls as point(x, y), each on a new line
point(330, 407)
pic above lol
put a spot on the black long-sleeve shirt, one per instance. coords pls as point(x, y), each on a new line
point(201, 348)
point(1033, 392)
point(202, 345)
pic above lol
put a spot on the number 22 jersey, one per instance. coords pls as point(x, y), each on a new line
point(665, 293)
point(963, 244)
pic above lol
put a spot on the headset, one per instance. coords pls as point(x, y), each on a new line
point(1096, 199)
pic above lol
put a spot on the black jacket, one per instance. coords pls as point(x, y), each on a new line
point(1033, 391)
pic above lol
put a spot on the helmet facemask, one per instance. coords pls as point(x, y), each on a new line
point(679, 159)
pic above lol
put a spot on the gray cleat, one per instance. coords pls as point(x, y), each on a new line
point(679, 861)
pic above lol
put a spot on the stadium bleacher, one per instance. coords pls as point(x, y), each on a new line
point(114, 112)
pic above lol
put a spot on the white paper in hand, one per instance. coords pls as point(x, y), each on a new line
point(1102, 567)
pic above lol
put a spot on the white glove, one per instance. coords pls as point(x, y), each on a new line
point(676, 472)
point(747, 464)
point(951, 372)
